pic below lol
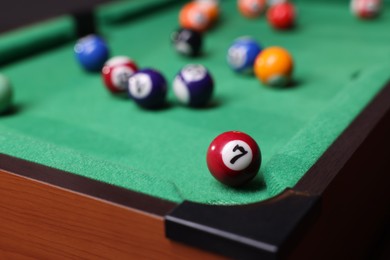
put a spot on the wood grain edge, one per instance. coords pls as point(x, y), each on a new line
point(43, 221)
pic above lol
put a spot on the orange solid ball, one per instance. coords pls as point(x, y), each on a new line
point(251, 8)
point(211, 7)
point(274, 66)
point(194, 16)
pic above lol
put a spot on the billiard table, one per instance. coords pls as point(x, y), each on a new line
point(86, 174)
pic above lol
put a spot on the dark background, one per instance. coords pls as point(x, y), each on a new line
point(18, 13)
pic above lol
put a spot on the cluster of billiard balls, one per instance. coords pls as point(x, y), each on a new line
point(273, 66)
point(280, 13)
point(233, 158)
point(193, 85)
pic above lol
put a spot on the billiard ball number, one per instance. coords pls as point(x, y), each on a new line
point(116, 73)
point(148, 88)
point(187, 42)
point(233, 158)
point(237, 155)
point(193, 85)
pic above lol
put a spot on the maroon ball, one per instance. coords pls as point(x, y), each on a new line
point(233, 158)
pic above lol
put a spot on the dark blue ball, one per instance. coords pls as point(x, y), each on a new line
point(193, 85)
point(148, 88)
point(242, 54)
point(91, 52)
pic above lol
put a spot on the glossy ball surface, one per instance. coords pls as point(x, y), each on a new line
point(116, 73)
point(6, 94)
point(148, 88)
point(233, 158)
point(281, 16)
point(366, 9)
point(274, 66)
point(211, 7)
point(194, 16)
point(193, 85)
point(91, 52)
point(242, 54)
point(251, 8)
point(187, 42)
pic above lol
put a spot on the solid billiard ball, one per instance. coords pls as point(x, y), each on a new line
point(274, 66)
point(251, 8)
point(193, 16)
point(242, 54)
point(187, 41)
point(281, 16)
point(116, 73)
point(233, 158)
point(91, 52)
point(148, 88)
point(6, 94)
point(366, 9)
point(193, 85)
point(211, 7)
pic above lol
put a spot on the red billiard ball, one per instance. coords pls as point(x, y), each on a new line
point(233, 158)
point(281, 16)
point(366, 9)
point(116, 73)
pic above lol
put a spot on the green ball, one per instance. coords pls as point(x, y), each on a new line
point(5, 94)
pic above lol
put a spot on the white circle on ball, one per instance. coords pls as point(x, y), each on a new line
point(183, 47)
point(181, 90)
point(198, 18)
point(237, 155)
point(140, 85)
point(120, 76)
point(237, 56)
point(193, 72)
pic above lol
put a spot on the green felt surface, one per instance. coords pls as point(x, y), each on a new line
point(65, 118)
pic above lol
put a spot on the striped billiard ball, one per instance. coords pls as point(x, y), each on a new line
point(116, 73)
point(366, 9)
point(193, 85)
point(148, 88)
